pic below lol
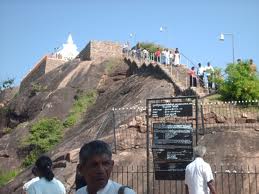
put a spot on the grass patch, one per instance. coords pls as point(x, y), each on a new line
point(111, 64)
point(47, 132)
point(35, 88)
point(82, 103)
point(5, 110)
point(214, 97)
point(6, 176)
point(44, 134)
point(7, 130)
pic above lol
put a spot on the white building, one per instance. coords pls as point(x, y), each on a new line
point(69, 50)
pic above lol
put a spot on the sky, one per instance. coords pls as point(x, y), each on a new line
point(31, 29)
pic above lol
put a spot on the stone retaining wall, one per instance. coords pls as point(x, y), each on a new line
point(44, 66)
point(100, 50)
point(93, 50)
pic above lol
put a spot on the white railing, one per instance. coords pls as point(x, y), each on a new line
point(151, 58)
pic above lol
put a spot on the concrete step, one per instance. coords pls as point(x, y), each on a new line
point(177, 74)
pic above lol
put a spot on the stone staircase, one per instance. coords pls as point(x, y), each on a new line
point(178, 75)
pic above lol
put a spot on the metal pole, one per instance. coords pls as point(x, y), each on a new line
point(202, 121)
point(167, 37)
point(114, 126)
point(233, 51)
point(197, 115)
point(233, 46)
point(147, 116)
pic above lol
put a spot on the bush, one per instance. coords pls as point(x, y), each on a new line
point(35, 88)
point(240, 84)
point(7, 130)
point(82, 103)
point(149, 46)
point(31, 158)
point(44, 134)
point(217, 77)
point(7, 176)
point(111, 64)
point(71, 119)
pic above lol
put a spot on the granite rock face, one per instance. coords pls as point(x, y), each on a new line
point(120, 91)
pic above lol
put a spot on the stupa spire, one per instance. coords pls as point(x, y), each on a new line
point(69, 39)
point(69, 50)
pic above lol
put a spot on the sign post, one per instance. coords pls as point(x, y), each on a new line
point(172, 135)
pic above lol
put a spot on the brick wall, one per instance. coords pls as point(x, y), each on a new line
point(100, 50)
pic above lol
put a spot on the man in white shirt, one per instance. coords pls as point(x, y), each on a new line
point(125, 48)
point(95, 164)
point(209, 72)
point(167, 57)
point(163, 56)
point(198, 174)
point(200, 73)
point(145, 54)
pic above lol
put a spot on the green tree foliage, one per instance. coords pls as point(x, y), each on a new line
point(7, 84)
point(111, 64)
point(44, 134)
point(149, 46)
point(240, 84)
point(217, 77)
point(35, 88)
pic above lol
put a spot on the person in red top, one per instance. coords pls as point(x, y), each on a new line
point(193, 81)
point(157, 55)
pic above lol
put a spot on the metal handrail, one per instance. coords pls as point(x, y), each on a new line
point(188, 59)
point(152, 59)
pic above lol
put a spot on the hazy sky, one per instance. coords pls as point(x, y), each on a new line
point(32, 28)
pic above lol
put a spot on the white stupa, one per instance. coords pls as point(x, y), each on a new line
point(69, 50)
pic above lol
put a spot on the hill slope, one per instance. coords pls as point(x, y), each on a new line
point(53, 95)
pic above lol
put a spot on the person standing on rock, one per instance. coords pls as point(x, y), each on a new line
point(200, 73)
point(176, 57)
point(192, 75)
point(47, 183)
point(198, 174)
point(96, 164)
point(167, 57)
point(157, 55)
point(252, 66)
point(171, 58)
point(209, 73)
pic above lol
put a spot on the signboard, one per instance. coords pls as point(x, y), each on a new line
point(172, 134)
point(170, 171)
point(179, 109)
point(172, 150)
point(172, 155)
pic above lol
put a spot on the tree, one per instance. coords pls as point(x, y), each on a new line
point(241, 83)
point(217, 77)
point(149, 46)
point(7, 84)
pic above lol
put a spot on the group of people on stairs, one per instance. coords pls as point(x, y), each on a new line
point(204, 76)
